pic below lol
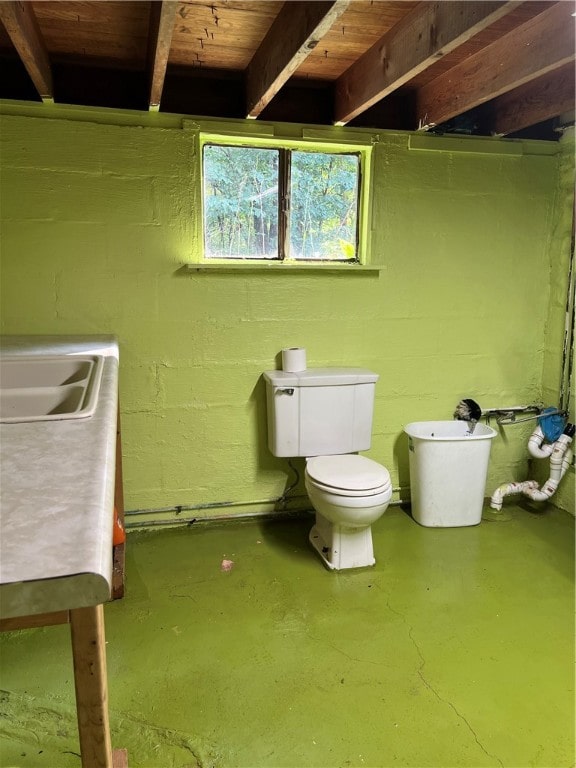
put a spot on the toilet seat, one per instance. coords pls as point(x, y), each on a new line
point(347, 493)
point(348, 475)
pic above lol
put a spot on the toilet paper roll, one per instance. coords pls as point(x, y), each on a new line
point(294, 359)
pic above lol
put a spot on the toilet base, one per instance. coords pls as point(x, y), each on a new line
point(341, 547)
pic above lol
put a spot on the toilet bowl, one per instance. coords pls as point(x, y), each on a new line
point(348, 493)
point(325, 414)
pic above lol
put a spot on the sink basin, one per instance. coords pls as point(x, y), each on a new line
point(24, 372)
point(49, 388)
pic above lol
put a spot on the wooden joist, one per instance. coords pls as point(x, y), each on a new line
point(534, 102)
point(162, 17)
point(541, 45)
point(20, 23)
point(293, 35)
point(426, 34)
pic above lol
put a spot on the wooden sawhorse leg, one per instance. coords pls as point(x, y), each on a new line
point(91, 683)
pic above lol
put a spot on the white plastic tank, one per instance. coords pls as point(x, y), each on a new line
point(320, 411)
point(448, 469)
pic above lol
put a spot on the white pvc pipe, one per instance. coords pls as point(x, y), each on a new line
point(559, 463)
point(535, 446)
point(560, 460)
point(509, 488)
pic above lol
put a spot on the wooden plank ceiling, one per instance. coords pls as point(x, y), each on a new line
point(488, 68)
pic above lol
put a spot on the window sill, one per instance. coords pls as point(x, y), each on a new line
point(316, 267)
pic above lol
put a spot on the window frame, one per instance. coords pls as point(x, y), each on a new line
point(363, 150)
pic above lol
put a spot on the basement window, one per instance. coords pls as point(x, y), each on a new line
point(281, 203)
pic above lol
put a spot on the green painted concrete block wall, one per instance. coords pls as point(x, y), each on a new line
point(562, 245)
point(100, 211)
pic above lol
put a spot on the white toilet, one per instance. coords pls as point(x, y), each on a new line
point(325, 414)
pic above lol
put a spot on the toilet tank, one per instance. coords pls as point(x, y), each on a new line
point(320, 411)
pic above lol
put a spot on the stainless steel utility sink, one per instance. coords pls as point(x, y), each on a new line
point(45, 388)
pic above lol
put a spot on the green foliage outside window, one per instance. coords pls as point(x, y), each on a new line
point(240, 202)
point(277, 203)
point(324, 206)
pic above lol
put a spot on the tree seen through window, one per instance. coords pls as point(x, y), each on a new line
point(262, 203)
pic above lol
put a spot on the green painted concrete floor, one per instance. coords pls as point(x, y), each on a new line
point(456, 649)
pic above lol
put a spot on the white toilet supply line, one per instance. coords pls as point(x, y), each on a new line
point(560, 455)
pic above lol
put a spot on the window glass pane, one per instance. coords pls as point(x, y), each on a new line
point(240, 202)
point(324, 206)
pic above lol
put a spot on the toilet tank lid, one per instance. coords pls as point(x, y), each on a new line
point(321, 377)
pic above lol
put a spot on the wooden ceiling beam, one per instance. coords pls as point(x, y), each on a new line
point(293, 35)
point(22, 27)
point(162, 19)
point(423, 36)
point(541, 45)
point(542, 99)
